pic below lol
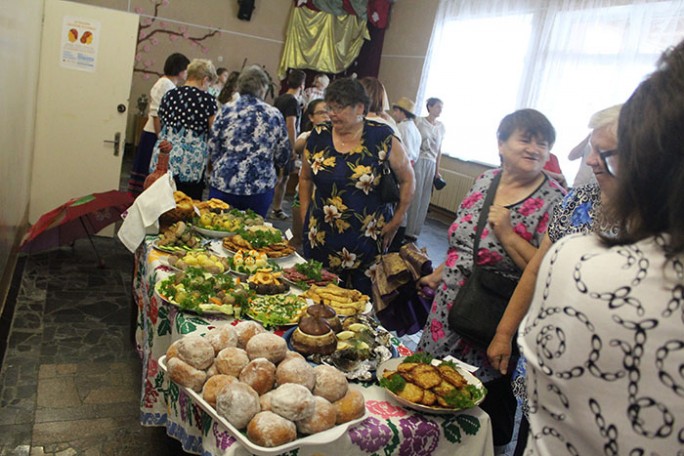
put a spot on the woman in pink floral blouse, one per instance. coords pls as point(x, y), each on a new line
point(516, 223)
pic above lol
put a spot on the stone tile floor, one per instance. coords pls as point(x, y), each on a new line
point(70, 380)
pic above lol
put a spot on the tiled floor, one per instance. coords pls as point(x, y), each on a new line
point(70, 381)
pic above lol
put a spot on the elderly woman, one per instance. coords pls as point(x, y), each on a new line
point(603, 337)
point(248, 141)
point(580, 212)
point(427, 166)
point(346, 222)
point(186, 115)
point(517, 221)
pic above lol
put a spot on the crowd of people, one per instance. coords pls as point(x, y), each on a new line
point(590, 343)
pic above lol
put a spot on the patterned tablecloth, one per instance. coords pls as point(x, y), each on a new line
point(389, 428)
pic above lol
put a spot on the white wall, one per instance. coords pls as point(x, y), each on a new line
point(20, 33)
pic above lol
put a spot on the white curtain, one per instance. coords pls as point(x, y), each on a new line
point(566, 58)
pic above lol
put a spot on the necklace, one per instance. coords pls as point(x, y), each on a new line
point(353, 139)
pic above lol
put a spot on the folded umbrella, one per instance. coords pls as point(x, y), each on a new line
point(76, 219)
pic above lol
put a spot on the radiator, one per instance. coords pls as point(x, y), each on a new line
point(450, 197)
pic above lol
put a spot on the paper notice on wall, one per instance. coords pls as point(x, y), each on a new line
point(80, 40)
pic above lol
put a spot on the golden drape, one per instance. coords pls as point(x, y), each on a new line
point(321, 41)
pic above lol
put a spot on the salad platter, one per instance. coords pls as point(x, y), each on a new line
point(263, 239)
point(277, 310)
point(198, 291)
point(311, 272)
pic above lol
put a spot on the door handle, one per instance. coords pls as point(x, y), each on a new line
point(116, 142)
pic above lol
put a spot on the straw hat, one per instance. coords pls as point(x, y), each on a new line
point(405, 105)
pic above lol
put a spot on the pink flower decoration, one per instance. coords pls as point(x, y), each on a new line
point(152, 367)
point(147, 48)
point(138, 10)
point(467, 218)
point(543, 224)
point(437, 330)
point(521, 230)
point(433, 309)
point(488, 257)
point(444, 287)
point(403, 350)
point(154, 41)
point(452, 256)
point(138, 57)
point(146, 76)
point(173, 37)
point(384, 409)
point(165, 2)
point(162, 24)
point(485, 232)
point(142, 35)
point(468, 202)
point(452, 228)
point(531, 205)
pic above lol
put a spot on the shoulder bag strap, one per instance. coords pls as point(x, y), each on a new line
point(484, 212)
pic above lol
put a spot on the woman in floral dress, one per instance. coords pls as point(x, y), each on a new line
point(346, 225)
point(517, 221)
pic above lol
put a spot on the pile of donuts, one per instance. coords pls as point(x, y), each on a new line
point(252, 380)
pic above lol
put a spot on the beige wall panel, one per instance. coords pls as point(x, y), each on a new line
point(401, 77)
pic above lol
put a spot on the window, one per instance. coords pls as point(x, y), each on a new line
point(567, 59)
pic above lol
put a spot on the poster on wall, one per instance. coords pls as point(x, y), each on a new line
point(80, 40)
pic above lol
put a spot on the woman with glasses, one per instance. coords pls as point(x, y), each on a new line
point(579, 212)
point(346, 224)
point(604, 336)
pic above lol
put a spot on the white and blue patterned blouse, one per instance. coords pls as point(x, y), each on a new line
point(248, 140)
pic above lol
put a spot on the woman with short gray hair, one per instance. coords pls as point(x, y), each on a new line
point(248, 141)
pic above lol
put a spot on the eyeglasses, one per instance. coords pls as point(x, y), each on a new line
point(334, 108)
point(320, 113)
point(610, 161)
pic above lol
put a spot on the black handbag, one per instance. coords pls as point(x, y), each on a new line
point(388, 186)
point(481, 302)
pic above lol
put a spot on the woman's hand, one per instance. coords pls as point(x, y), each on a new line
point(499, 218)
point(499, 352)
point(388, 232)
point(431, 280)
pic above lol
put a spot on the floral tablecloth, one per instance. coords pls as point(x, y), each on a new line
point(389, 428)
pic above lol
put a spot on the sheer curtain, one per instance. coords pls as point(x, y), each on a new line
point(566, 58)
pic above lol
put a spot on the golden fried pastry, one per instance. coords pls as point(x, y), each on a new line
point(452, 376)
point(412, 393)
point(425, 376)
point(429, 398)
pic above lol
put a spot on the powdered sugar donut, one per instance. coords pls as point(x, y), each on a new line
point(231, 361)
point(222, 337)
point(267, 345)
point(185, 375)
point(292, 401)
point(213, 386)
point(247, 329)
point(196, 351)
point(265, 401)
point(350, 407)
point(296, 370)
point(259, 374)
point(330, 383)
point(270, 430)
point(322, 419)
point(238, 403)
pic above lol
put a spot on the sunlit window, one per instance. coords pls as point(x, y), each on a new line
point(566, 60)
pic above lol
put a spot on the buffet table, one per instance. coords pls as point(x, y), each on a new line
point(389, 428)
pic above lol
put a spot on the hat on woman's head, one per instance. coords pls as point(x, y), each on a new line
point(405, 105)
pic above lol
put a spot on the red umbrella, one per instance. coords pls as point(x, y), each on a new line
point(75, 219)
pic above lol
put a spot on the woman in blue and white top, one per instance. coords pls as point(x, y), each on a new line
point(248, 141)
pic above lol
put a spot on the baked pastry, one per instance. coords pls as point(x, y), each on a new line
point(267, 345)
point(328, 314)
point(296, 370)
point(196, 351)
point(213, 386)
point(314, 336)
point(172, 351)
point(330, 383)
point(260, 374)
point(350, 407)
point(238, 403)
point(245, 330)
point(184, 374)
point(292, 354)
point(212, 370)
point(265, 401)
point(292, 401)
point(322, 419)
point(231, 361)
point(270, 430)
point(222, 337)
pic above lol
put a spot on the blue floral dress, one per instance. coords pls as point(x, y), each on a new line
point(529, 218)
point(184, 115)
point(346, 215)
